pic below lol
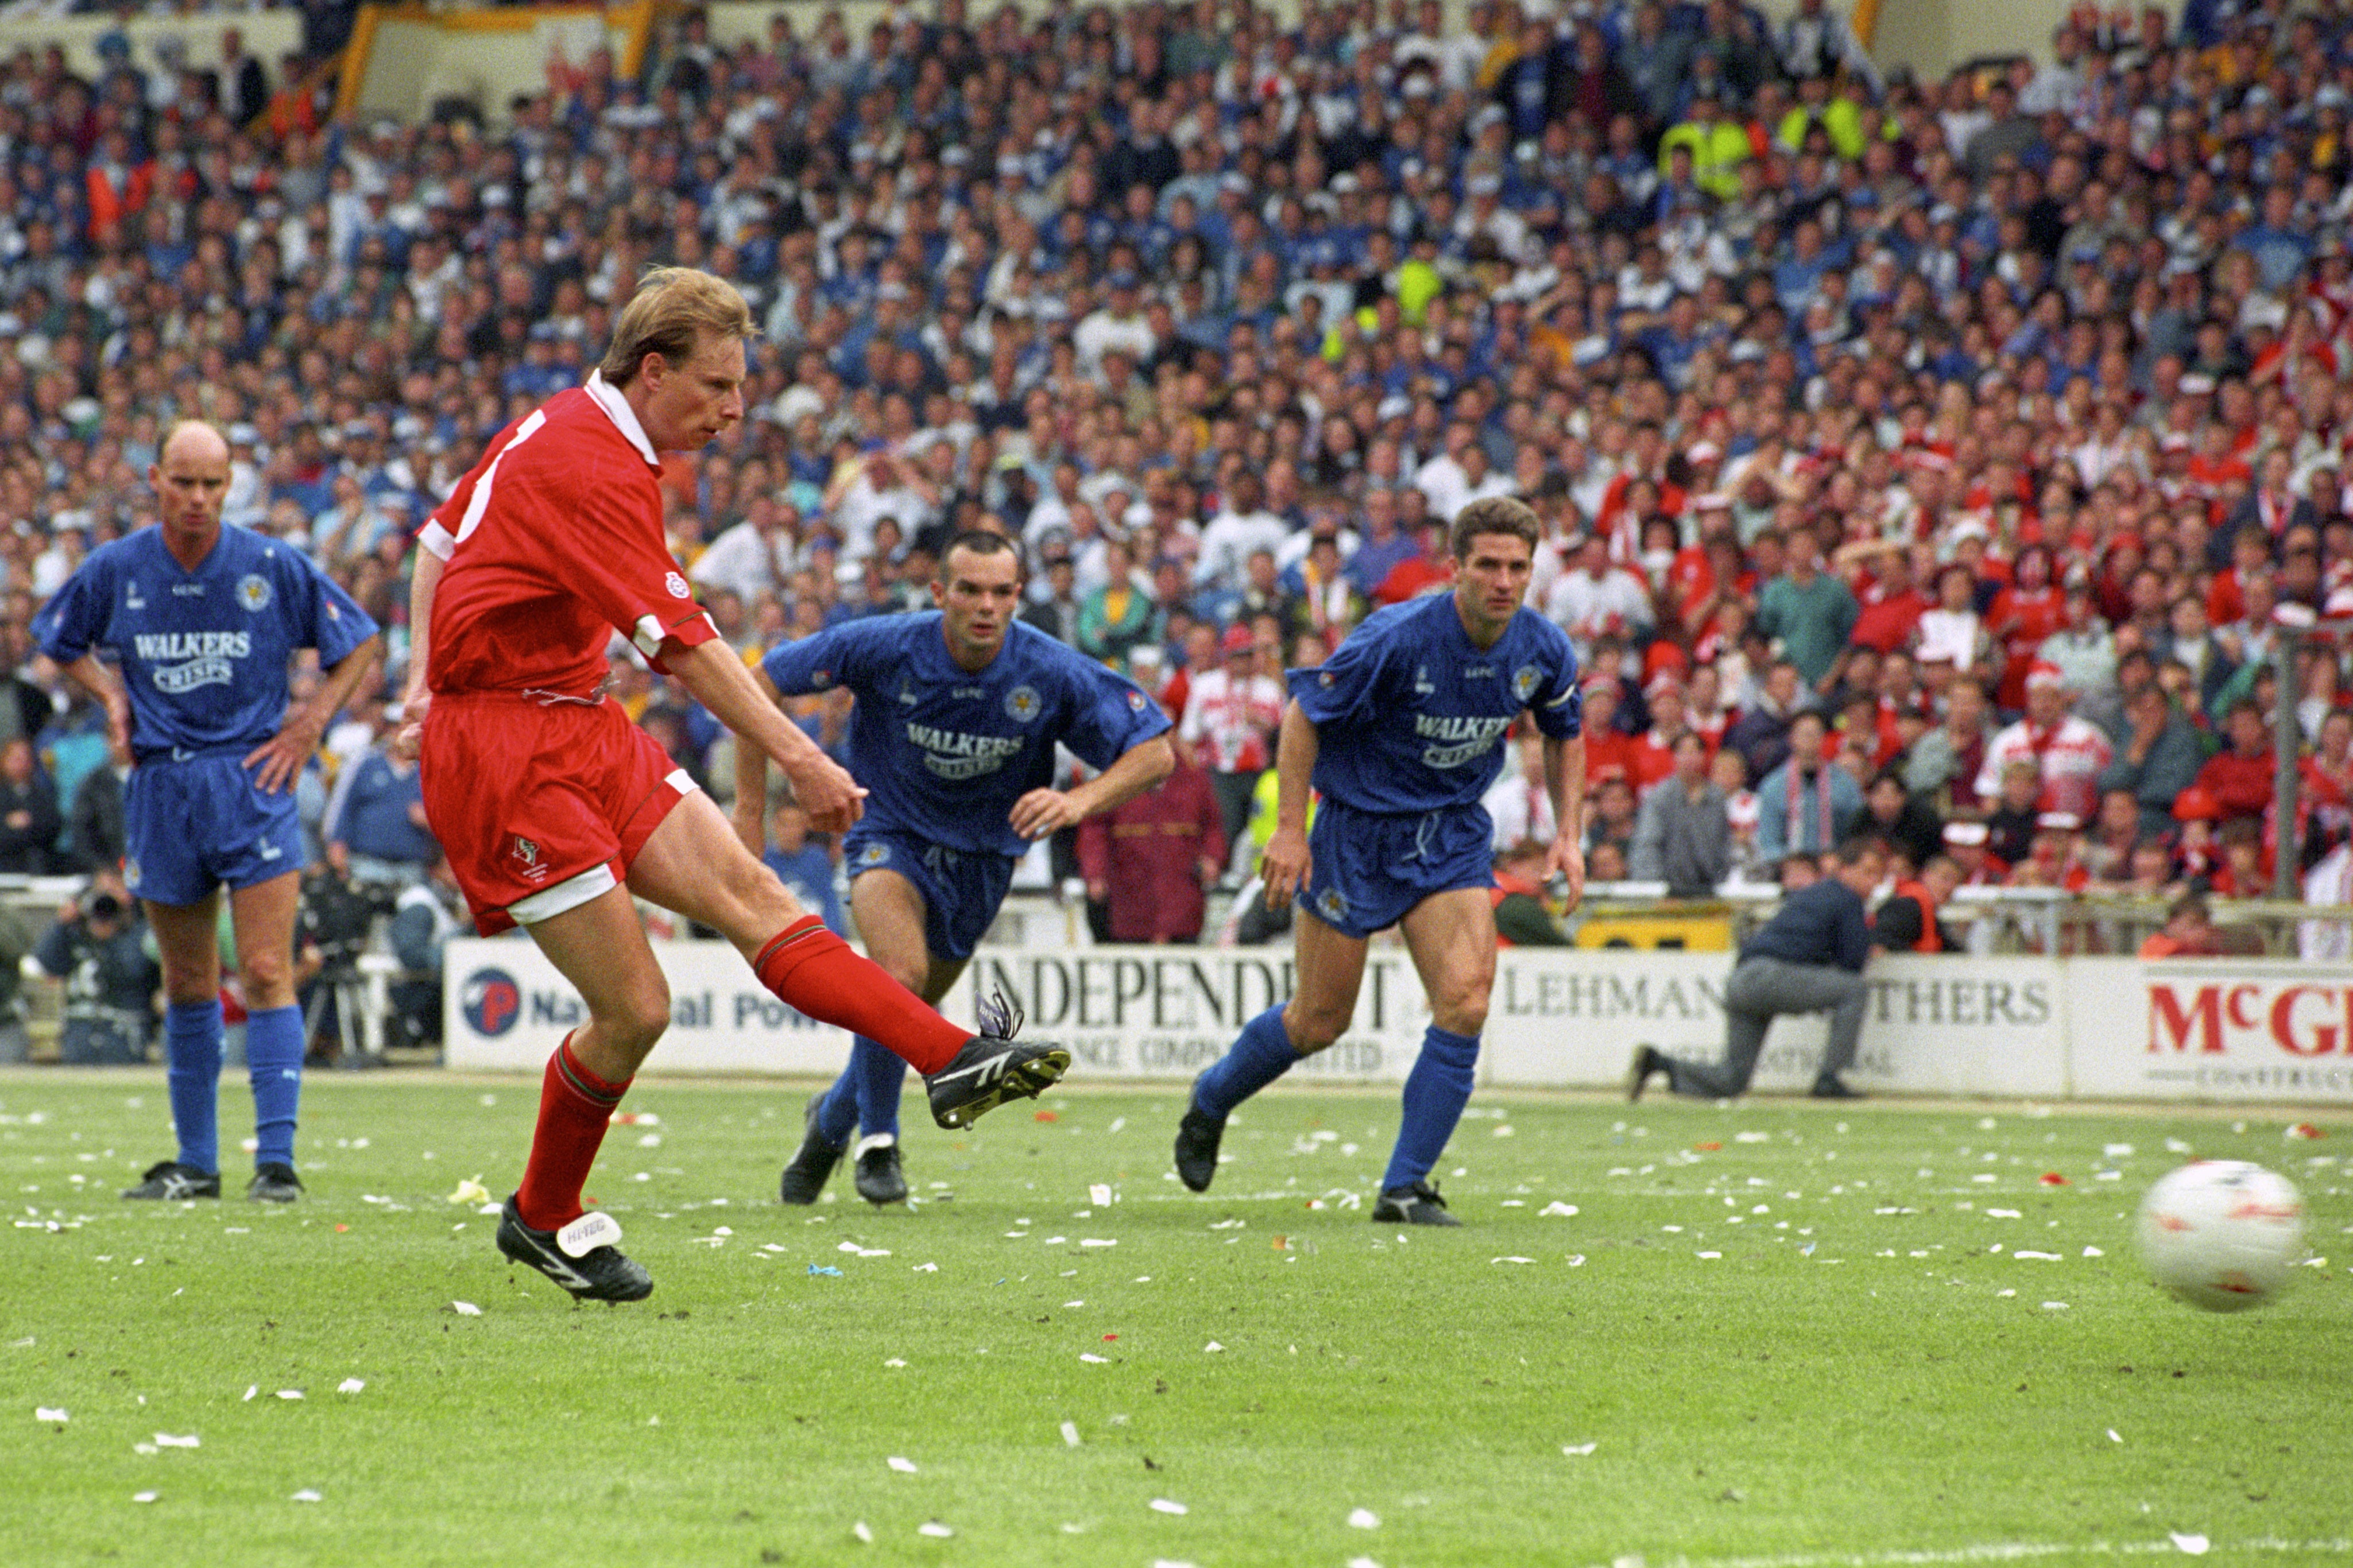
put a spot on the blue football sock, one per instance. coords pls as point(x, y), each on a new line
point(1436, 1091)
point(192, 1047)
point(879, 1074)
point(273, 1063)
point(837, 1111)
point(1263, 1054)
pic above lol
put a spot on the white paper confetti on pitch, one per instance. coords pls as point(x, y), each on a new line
point(1098, 1241)
point(2188, 1546)
point(143, 1497)
point(862, 1532)
point(48, 1413)
point(1099, 1194)
point(250, 1390)
point(1579, 1450)
point(1558, 1211)
point(1576, 1260)
point(306, 1495)
point(905, 1467)
point(1071, 1433)
point(2094, 1252)
point(1362, 1563)
point(935, 1529)
point(166, 1440)
point(2114, 1436)
point(470, 1191)
point(2054, 1305)
point(465, 1309)
point(1708, 1255)
point(1364, 1519)
point(1095, 1360)
point(1211, 1346)
point(1168, 1505)
point(350, 1386)
point(290, 1393)
point(927, 1269)
point(2038, 1256)
point(894, 1361)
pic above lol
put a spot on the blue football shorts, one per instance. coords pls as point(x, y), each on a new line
point(191, 824)
point(961, 889)
point(1368, 868)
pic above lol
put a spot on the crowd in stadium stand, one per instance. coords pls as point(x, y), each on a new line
point(1941, 453)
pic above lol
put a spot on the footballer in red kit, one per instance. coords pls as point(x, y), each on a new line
point(555, 811)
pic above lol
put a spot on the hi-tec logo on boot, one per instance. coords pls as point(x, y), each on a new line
point(588, 1233)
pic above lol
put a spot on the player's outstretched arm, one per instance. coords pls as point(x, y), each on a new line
point(1286, 862)
point(751, 816)
point(283, 756)
point(1564, 762)
point(90, 672)
point(716, 677)
point(1042, 812)
point(416, 696)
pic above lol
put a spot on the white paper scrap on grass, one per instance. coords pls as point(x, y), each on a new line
point(935, 1529)
point(1364, 1519)
point(1168, 1505)
point(2188, 1546)
point(1576, 1450)
point(1071, 1433)
point(50, 1412)
point(864, 1531)
point(143, 1497)
point(308, 1494)
point(166, 1440)
point(1557, 1211)
point(900, 1463)
point(350, 1386)
point(1093, 1359)
point(465, 1309)
point(1212, 1345)
point(290, 1393)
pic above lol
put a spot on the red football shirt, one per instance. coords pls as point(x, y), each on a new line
point(554, 540)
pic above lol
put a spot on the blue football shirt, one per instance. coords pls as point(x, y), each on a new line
point(1410, 714)
point(204, 654)
point(944, 752)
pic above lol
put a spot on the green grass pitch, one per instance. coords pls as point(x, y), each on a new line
point(1772, 1333)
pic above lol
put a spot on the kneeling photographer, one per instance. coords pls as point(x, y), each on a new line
point(99, 947)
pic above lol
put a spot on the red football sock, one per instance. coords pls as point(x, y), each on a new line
point(815, 972)
point(574, 1108)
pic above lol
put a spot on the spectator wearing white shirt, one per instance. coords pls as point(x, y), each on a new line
point(757, 555)
point(1117, 324)
point(1239, 532)
point(1598, 596)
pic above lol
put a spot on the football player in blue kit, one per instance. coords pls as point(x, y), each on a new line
point(202, 621)
point(1400, 733)
point(958, 712)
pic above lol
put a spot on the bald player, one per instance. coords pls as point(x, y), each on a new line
point(186, 632)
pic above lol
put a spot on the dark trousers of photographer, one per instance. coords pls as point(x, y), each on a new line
point(91, 1036)
point(1760, 990)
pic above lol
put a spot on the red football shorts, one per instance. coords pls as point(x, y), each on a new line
point(540, 809)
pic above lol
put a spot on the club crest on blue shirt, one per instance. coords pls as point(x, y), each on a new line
point(1524, 683)
point(873, 854)
point(1136, 701)
point(253, 592)
point(1023, 704)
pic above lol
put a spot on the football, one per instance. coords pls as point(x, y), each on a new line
point(2222, 1234)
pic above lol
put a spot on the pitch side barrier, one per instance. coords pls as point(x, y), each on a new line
point(2028, 1027)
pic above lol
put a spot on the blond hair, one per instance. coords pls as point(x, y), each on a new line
point(674, 312)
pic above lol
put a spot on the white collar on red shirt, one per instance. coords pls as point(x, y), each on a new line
point(607, 396)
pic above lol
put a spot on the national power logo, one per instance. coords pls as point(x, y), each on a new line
point(492, 1001)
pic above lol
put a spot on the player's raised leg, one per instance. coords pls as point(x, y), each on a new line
point(263, 917)
point(1452, 936)
point(1329, 965)
point(600, 947)
point(693, 863)
point(187, 945)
